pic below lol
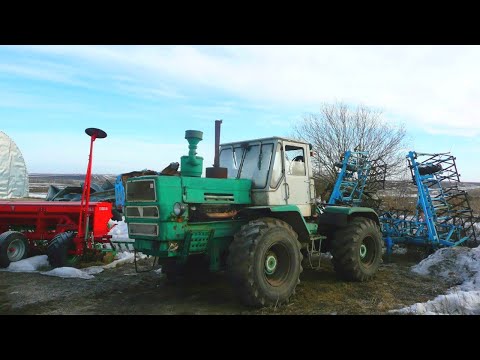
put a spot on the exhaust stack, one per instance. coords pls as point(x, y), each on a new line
point(216, 171)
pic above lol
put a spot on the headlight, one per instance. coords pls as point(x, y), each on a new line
point(179, 208)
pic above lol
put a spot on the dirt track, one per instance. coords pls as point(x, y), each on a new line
point(122, 291)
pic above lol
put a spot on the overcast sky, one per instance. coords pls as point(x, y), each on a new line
point(145, 97)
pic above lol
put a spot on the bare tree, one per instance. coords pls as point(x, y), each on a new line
point(338, 128)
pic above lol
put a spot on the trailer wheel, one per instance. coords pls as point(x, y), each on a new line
point(13, 247)
point(57, 250)
point(357, 250)
point(264, 262)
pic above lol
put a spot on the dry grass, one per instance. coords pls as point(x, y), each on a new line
point(393, 287)
point(474, 199)
point(398, 203)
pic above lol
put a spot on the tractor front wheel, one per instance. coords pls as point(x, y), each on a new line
point(357, 250)
point(264, 262)
point(13, 247)
point(57, 250)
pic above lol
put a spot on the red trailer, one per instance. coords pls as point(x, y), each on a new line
point(27, 226)
point(68, 228)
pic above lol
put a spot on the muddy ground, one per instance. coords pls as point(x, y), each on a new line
point(121, 291)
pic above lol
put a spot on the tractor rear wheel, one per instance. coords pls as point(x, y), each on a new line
point(357, 250)
point(57, 250)
point(13, 247)
point(264, 262)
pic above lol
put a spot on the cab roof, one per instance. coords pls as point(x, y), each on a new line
point(273, 138)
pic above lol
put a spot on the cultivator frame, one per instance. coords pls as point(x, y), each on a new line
point(351, 180)
point(358, 179)
point(443, 216)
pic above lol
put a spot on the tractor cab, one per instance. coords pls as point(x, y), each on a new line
point(280, 170)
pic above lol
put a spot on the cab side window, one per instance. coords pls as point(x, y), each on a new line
point(295, 160)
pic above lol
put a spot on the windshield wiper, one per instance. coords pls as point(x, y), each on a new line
point(260, 158)
point(246, 148)
point(234, 158)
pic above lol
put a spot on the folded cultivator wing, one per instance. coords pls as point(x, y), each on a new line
point(443, 216)
point(358, 180)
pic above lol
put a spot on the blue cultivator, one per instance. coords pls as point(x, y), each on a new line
point(357, 180)
point(352, 178)
point(443, 215)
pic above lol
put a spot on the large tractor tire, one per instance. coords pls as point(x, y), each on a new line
point(13, 247)
point(264, 262)
point(57, 250)
point(357, 250)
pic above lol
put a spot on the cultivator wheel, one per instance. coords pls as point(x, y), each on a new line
point(357, 250)
point(57, 250)
point(264, 262)
point(13, 247)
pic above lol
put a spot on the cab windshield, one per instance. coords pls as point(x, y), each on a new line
point(248, 162)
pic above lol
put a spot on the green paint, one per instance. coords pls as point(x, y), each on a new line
point(312, 228)
point(216, 191)
point(348, 210)
point(192, 165)
point(363, 251)
point(270, 264)
point(178, 236)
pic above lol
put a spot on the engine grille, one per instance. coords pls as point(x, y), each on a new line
point(143, 229)
point(142, 212)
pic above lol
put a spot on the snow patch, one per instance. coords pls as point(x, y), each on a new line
point(477, 227)
point(125, 257)
point(68, 272)
point(399, 250)
point(33, 264)
point(326, 256)
point(456, 303)
point(461, 267)
point(93, 270)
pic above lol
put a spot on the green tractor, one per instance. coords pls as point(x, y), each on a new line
point(254, 215)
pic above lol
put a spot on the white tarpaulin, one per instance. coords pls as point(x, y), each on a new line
point(13, 172)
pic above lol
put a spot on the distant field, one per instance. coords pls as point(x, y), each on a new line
point(403, 195)
point(39, 183)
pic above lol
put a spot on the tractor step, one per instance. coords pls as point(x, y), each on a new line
point(313, 251)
